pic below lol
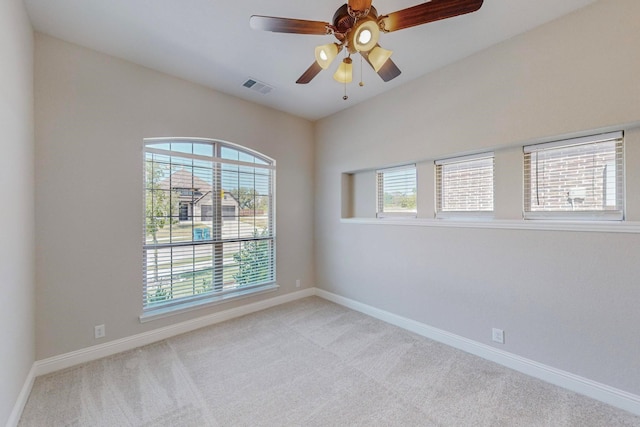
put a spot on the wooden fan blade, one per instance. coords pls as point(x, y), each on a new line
point(288, 25)
point(360, 5)
point(434, 10)
point(388, 71)
point(308, 75)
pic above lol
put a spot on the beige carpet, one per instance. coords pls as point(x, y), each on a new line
point(306, 363)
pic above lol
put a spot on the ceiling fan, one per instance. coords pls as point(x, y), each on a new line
point(357, 26)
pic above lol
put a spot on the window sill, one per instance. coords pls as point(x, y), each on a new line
point(546, 225)
point(159, 313)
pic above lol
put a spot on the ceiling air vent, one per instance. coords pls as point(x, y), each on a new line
point(258, 86)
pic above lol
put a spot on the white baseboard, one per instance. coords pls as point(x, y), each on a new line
point(602, 392)
point(95, 352)
point(16, 413)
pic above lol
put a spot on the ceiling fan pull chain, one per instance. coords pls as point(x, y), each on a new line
point(347, 60)
point(361, 82)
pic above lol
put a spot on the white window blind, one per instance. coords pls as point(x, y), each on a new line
point(208, 223)
point(581, 178)
point(396, 191)
point(464, 186)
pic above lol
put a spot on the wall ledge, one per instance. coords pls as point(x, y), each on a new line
point(506, 224)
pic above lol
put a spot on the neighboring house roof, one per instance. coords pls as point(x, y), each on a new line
point(184, 179)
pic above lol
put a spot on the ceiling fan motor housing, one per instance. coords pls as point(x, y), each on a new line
point(346, 27)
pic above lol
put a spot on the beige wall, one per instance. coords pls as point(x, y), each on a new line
point(16, 215)
point(565, 299)
point(92, 113)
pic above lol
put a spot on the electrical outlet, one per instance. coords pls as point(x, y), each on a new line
point(297, 283)
point(99, 331)
point(498, 335)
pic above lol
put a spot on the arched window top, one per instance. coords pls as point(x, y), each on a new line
point(209, 148)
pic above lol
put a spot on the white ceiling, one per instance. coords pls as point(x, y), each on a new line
point(210, 42)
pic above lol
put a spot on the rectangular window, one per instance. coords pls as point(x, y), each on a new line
point(464, 186)
point(209, 227)
point(396, 191)
point(580, 178)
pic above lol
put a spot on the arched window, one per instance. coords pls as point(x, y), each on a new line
point(208, 224)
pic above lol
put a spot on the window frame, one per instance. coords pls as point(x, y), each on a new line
point(380, 212)
point(577, 215)
point(439, 183)
point(215, 240)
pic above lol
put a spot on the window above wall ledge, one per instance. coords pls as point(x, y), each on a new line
point(465, 186)
point(575, 179)
point(632, 227)
point(396, 192)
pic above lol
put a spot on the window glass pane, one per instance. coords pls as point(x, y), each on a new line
point(574, 178)
point(158, 275)
point(158, 158)
point(229, 153)
point(161, 146)
point(158, 215)
point(178, 162)
point(397, 191)
point(465, 185)
point(244, 157)
point(199, 163)
point(182, 228)
point(182, 147)
point(250, 262)
point(203, 149)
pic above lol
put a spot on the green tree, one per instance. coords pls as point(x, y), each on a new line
point(400, 200)
point(253, 260)
point(160, 210)
point(408, 201)
point(249, 198)
point(245, 196)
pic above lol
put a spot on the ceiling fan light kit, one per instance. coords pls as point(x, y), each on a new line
point(357, 27)
point(344, 73)
point(365, 35)
point(326, 53)
point(378, 57)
